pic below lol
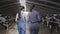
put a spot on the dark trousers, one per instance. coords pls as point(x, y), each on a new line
point(34, 28)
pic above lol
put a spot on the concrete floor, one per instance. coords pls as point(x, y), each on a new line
point(13, 30)
point(44, 30)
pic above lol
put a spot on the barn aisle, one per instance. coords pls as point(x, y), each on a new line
point(13, 29)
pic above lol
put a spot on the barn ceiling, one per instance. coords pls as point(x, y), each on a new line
point(45, 7)
point(52, 4)
point(9, 7)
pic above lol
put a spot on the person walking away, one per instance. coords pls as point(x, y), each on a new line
point(21, 22)
point(34, 19)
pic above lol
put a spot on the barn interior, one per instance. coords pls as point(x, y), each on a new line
point(8, 10)
point(46, 9)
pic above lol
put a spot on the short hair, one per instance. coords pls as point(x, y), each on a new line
point(33, 6)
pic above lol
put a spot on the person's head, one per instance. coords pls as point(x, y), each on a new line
point(32, 7)
point(21, 8)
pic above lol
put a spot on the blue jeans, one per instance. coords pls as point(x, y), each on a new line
point(21, 27)
point(21, 31)
point(34, 28)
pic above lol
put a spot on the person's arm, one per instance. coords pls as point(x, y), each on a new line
point(26, 17)
point(17, 16)
point(38, 16)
